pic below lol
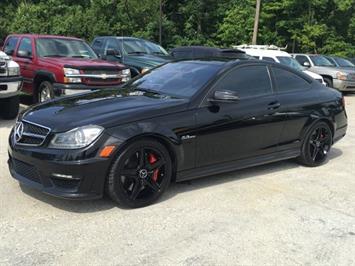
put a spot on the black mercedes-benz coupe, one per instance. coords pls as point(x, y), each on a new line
point(183, 120)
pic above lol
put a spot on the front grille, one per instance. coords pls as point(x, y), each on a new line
point(25, 170)
point(32, 134)
point(101, 81)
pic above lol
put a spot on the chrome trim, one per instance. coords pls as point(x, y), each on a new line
point(43, 137)
point(97, 76)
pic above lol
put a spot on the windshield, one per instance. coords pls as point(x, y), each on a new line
point(58, 47)
point(178, 79)
point(319, 60)
point(290, 61)
point(343, 62)
point(137, 46)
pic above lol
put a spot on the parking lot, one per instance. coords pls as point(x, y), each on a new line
point(281, 214)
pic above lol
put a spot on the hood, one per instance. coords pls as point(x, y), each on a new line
point(106, 108)
point(312, 74)
point(145, 60)
point(81, 62)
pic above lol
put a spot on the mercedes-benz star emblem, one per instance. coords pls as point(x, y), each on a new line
point(18, 131)
point(143, 173)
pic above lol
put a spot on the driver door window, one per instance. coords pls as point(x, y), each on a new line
point(25, 47)
point(250, 81)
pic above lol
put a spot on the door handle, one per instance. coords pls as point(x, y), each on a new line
point(274, 105)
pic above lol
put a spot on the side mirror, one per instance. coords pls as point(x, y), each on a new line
point(224, 96)
point(306, 64)
point(25, 54)
point(113, 52)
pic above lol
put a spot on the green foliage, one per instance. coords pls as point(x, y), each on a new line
point(317, 26)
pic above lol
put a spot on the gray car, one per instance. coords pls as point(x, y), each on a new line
point(342, 78)
point(340, 62)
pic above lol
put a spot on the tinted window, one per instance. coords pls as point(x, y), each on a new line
point(343, 62)
point(319, 60)
point(246, 81)
point(269, 59)
point(179, 79)
point(97, 44)
point(111, 44)
point(290, 61)
point(288, 81)
point(11, 45)
point(26, 46)
point(302, 59)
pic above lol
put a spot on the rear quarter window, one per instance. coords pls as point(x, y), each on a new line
point(286, 81)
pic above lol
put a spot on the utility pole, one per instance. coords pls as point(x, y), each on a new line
point(256, 22)
point(161, 23)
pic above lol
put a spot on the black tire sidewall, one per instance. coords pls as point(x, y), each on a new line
point(117, 193)
point(305, 157)
point(329, 82)
point(10, 107)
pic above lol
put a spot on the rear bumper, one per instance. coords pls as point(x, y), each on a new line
point(344, 85)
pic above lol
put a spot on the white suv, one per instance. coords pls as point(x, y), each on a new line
point(10, 84)
point(275, 54)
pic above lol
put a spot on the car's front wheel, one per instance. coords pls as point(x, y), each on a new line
point(140, 174)
point(45, 92)
point(316, 145)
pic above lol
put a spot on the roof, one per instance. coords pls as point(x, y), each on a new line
point(44, 36)
point(195, 52)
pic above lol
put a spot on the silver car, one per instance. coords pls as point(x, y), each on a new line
point(342, 79)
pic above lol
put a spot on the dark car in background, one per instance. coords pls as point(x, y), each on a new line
point(197, 52)
point(183, 120)
point(340, 62)
point(138, 54)
point(56, 65)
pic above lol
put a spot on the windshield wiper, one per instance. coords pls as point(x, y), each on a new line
point(54, 55)
point(80, 56)
point(148, 90)
point(137, 52)
point(159, 53)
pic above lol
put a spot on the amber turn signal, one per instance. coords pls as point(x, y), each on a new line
point(107, 151)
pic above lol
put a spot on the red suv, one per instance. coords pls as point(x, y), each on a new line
point(55, 65)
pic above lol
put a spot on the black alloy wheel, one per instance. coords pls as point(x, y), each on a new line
point(140, 174)
point(317, 145)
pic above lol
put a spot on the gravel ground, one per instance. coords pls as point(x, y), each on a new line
point(277, 214)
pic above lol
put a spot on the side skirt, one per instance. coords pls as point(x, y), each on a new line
point(236, 165)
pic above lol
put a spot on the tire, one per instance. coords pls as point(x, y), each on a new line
point(140, 174)
point(329, 82)
point(316, 145)
point(44, 92)
point(10, 107)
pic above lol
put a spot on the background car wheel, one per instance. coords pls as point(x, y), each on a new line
point(316, 145)
point(140, 174)
point(10, 107)
point(45, 92)
point(329, 82)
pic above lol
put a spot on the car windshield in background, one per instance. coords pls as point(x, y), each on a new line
point(58, 47)
point(132, 46)
point(319, 60)
point(179, 79)
point(290, 61)
point(343, 62)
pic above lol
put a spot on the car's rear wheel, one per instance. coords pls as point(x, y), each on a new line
point(9, 107)
point(140, 174)
point(45, 92)
point(316, 145)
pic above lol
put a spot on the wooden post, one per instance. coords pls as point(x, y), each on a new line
point(256, 22)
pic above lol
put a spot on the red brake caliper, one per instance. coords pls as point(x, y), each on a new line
point(152, 159)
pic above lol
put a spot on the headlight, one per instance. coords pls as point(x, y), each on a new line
point(70, 74)
point(13, 71)
point(145, 70)
point(76, 138)
point(126, 75)
point(342, 76)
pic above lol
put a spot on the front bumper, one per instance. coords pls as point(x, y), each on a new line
point(344, 85)
point(10, 86)
point(54, 173)
point(71, 89)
